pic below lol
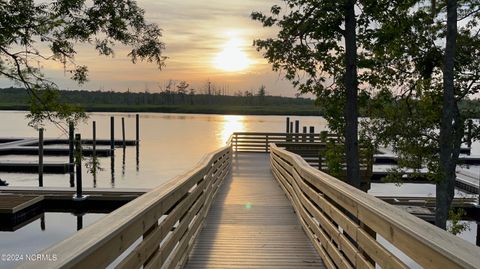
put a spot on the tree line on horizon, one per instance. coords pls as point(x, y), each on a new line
point(167, 97)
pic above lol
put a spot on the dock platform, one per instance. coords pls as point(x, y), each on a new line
point(251, 223)
point(12, 204)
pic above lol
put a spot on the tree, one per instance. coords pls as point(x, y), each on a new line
point(308, 48)
point(422, 79)
point(261, 94)
point(29, 29)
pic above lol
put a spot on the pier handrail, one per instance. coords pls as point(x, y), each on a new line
point(343, 222)
point(155, 230)
point(258, 141)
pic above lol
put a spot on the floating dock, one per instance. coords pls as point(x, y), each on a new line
point(32, 167)
point(12, 204)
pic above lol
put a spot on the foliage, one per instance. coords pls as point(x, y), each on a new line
point(421, 79)
point(456, 225)
point(316, 48)
point(406, 111)
point(93, 165)
point(34, 33)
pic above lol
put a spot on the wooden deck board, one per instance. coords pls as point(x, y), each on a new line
point(252, 224)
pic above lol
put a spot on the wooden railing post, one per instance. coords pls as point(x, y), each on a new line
point(312, 131)
point(291, 130)
point(266, 144)
point(156, 249)
point(236, 141)
point(297, 130)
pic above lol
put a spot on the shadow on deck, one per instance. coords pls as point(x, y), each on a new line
point(252, 224)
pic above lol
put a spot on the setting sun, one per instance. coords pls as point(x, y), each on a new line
point(232, 58)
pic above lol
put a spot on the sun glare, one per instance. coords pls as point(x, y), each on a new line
point(232, 58)
point(231, 124)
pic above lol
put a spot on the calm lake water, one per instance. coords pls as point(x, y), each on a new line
point(171, 144)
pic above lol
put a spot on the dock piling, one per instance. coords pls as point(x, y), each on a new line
point(40, 157)
point(123, 132)
point(112, 134)
point(288, 125)
point(94, 147)
point(304, 136)
point(94, 139)
point(71, 130)
point(137, 137)
point(137, 128)
point(78, 169)
point(42, 223)
point(79, 222)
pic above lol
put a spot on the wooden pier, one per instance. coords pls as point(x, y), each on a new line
point(252, 224)
point(268, 209)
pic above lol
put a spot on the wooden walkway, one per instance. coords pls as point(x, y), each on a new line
point(251, 223)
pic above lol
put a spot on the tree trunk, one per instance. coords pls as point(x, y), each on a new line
point(449, 124)
point(351, 86)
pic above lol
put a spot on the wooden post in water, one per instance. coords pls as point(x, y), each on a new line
point(42, 223)
point(40, 157)
point(137, 128)
point(94, 147)
point(304, 137)
point(71, 130)
point(137, 132)
point(78, 169)
point(288, 125)
point(94, 139)
point(79, 222)
point(312, 131)
point(123, 132)
point(112, 134)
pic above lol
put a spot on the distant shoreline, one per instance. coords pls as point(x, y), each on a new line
point(203, 109)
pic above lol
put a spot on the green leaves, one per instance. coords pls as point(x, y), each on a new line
point(45, 105)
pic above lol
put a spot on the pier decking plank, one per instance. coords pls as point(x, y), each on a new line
point(252, 224)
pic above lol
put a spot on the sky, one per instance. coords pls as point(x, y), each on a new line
point(208, 40)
